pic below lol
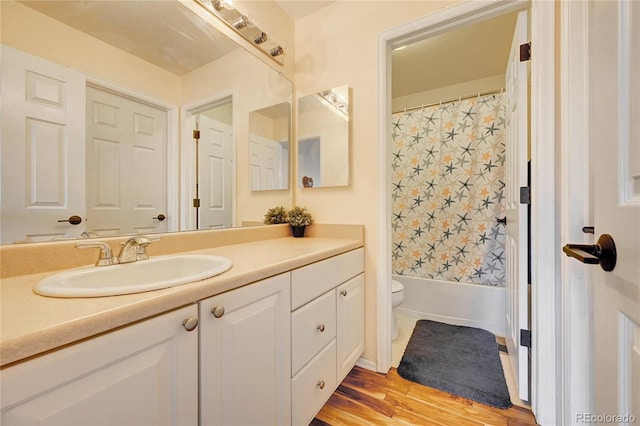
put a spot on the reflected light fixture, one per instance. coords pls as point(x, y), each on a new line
point(260, 38)
point(240, 22)
point(222, 4)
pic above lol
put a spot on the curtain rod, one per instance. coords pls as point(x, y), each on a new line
point(492, 92)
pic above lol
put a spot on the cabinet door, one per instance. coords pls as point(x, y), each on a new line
point(144, 374)
point(245, 355)
point(350, 307)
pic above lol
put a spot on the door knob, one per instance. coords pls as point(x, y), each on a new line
point(74, 220)
point(588, 229)
point(602, 253)
point(160, 217)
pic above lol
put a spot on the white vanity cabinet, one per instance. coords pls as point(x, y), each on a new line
point(350, 311)
point(245, 355)
point(143, 374)
point(327, 322)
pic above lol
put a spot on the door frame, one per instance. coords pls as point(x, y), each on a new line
point(577, 306)
point(545, 262)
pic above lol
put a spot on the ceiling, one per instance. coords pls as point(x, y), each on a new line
point(164, 33)
point(473, 52)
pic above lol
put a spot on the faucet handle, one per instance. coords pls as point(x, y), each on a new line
point(106, 255)
point(143, 241)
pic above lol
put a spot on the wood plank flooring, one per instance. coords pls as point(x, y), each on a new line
point(369, 398)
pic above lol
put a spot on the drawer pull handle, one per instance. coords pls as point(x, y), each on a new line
point(218, 311)
point(190, 324)
point(343, 292)
point(321, 384)
point(320, 327)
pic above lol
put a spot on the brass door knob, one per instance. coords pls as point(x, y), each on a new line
point(74, 220)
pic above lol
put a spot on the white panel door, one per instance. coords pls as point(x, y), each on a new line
point(614, 138)
point(144, 374)
point(517, 298)
point(43, 175)
point(215, 169)
point(126, 165)
point(265, 163)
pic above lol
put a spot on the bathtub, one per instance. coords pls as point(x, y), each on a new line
point(472, 305)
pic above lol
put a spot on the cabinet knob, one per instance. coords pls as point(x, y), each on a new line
point(320, 384)
point(218, 311)
point(190, 324)
point(343, 292)
point(320, 328)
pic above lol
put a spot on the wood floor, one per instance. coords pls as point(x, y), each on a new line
point(368, 398)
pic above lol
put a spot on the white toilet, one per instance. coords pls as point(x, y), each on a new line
point(397, 296)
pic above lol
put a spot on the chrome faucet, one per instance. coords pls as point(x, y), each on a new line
point(134, 249)
point(106, 255)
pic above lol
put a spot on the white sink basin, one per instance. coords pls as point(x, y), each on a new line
point(135, 277)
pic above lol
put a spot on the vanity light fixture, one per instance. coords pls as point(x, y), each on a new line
point(222, 4)
point(243, 26)
point(240, 23)
point(260, 38)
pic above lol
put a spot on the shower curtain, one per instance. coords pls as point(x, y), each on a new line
point(448, 191)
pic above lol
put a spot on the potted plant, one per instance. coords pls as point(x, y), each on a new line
point(275, 215)
point(298, 217)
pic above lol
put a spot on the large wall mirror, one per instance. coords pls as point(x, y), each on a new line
point(323, 138)
point(127, 117)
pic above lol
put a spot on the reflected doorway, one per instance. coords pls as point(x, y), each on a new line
point(208, 135)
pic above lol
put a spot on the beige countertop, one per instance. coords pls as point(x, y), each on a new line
point(31, 324)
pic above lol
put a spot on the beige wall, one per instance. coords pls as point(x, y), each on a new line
point(448, 93)
point(339, 45)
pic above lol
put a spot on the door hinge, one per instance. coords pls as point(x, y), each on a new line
point(525, 52)
point(525, 195)
point(196, 134)
point(196, 202)
point(525, 338)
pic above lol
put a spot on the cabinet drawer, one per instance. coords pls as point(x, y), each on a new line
point(313, 385)
point(313, 280)
point(312, 327)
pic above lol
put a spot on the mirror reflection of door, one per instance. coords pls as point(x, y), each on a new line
point(126, 165)
point(269, 147)
point(214, 159)
point(213, 187)
point(42, 149)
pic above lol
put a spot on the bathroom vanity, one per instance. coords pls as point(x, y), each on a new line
point(266, 342)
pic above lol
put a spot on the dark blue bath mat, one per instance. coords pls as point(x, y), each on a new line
point(460, 360)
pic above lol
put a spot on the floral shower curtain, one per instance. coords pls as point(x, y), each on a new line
point(448, 191)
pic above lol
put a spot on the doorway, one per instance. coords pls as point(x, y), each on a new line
point(208, 153)
point(543, 122)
